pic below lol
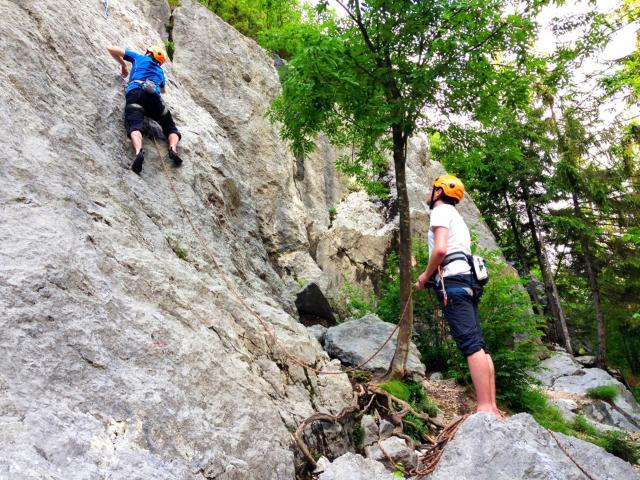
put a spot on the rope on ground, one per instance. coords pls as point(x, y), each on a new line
point(430, 459)
point(240, 297)
point(569, 455)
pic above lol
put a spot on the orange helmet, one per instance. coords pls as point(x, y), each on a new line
point(158, 54)
point(451, 185)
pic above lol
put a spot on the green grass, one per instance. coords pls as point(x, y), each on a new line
point(604, 392)
point(174, 4)
point(616, 443)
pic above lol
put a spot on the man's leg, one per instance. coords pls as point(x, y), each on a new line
point(492, 373)
point(173, 141)
point(136, 141)
point(480, 370)
point(134, 121)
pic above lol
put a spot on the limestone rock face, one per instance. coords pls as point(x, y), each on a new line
point(118, 358)
point(356, 244)
point(355, 341)
point(519, 449)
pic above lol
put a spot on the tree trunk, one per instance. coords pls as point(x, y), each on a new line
point(601, 355)
point(553, 299)
point(522, 258)
point(397, 369)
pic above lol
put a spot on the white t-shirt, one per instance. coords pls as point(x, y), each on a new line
point(445, 215)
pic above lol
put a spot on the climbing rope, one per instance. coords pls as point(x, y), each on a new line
point(569, 455)
point(430, 459)
point(240, 297)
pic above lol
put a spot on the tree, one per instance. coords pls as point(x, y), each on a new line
point(369, 80)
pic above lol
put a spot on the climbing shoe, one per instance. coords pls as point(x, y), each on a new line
point(173, 155)
point(136, 166)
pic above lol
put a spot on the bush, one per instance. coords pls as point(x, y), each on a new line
point(604, 392)
point(352, 301)
point(618, 444)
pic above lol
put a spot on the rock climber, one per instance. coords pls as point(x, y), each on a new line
point(143, 97)
point(449, 272)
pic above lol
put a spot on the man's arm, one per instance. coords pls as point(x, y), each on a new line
point(440, 238)
point(118, 53)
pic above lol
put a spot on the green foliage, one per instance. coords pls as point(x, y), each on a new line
point(170, 47)
point(360, 375)
point(618, 444)
point(352, 301)
point(180, 252)
point(174, 4)
point(357, 434)
point(604, 392)
point(261, 19)
point(397, 388)
point(332, 214)
point(510, 330)
point(414, 395)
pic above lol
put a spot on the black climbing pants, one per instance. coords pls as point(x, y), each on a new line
point(141, 103)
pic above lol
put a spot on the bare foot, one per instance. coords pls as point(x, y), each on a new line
point(499, 414)
point(495, 412)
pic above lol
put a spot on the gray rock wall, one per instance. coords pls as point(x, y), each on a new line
point(118, 359)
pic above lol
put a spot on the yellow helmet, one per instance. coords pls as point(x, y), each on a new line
point(451, 185)
point(158, 54)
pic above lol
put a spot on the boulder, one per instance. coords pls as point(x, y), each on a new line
point(602, 412)
point(311, 301)
point(352, 466)
point(356, 340)
point(566, 407)
point(558, 365)
point(319, 332)
point(586, 360)
point(386, 429)
point(517, 448)
point(395, 448)
point(370, 429)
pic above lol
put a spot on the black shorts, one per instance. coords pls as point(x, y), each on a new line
point(461, 312)
point(139, 104)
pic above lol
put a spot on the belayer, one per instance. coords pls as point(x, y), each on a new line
point(457, 281)
point(143, 97)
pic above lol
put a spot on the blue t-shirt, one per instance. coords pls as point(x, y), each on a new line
point(143, 67)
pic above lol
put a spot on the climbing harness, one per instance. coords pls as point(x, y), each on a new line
point(250, 309)
point(106, 8)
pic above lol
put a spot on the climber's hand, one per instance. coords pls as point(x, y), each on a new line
point(124, 71)
point(424, 282)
